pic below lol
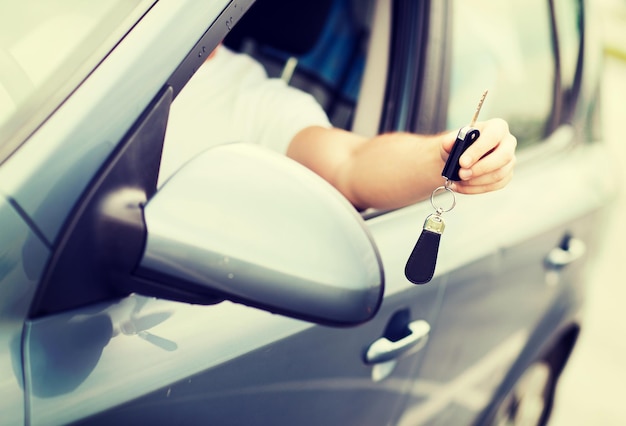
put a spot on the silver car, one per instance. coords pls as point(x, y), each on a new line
point(246, 290)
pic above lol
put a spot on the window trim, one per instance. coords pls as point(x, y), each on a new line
point(407, 56)
point(569, 99)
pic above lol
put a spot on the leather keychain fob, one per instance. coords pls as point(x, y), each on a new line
point(420, 267)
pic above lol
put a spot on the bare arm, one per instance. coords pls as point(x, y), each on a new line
point(397, 169)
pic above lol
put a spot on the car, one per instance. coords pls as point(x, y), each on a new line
point(246, 290)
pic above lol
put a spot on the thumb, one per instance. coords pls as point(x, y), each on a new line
point(447, 142)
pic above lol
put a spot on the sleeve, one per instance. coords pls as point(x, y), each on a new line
point(271, 112)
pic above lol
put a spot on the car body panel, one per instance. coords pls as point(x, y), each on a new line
point(304, 374)
point(22, 259)
point(135, 346)
point(464, 365)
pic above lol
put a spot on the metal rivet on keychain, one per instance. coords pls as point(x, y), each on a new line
point(420, 267)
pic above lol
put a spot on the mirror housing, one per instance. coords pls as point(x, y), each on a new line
point(243, 223)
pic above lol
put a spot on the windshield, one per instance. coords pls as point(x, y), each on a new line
point(47, 47)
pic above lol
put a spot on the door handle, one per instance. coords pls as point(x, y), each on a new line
point(560, 257)
point(383, 349)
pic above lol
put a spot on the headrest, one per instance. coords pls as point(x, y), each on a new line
point(292, 26)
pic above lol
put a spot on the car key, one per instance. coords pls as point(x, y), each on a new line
point(420, 267)
point(466, 137)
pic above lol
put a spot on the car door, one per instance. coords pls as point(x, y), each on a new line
point(89, 354)
point(18, 274)
point(501, 312)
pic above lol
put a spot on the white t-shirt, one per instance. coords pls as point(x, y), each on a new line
point(231, 99)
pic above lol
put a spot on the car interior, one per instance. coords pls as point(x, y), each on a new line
point(317, 46)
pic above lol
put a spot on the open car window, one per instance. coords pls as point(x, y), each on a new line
point(319, 47)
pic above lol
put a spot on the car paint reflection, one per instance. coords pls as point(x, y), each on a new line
point(108, 345)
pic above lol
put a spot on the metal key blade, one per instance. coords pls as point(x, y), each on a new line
point(480, 105)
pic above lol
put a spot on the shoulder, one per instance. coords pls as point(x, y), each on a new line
point(234, 65)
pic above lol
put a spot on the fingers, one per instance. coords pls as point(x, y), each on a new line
point(502, 155)
point(487, 165)
point(492, 134)
point(493, 181)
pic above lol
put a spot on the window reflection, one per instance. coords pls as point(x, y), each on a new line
point(46, 49)
point(514, 62)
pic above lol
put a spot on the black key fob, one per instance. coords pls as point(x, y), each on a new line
point(466, 137)
point(420, 267)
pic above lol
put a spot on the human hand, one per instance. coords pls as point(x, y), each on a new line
point(487, 165)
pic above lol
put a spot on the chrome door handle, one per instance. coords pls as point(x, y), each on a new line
point(559, 257)
point(383, 349)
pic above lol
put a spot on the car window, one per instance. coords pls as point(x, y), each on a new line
point(46, 49)
point(506, 48)
point(332, 70)
point(324, 58)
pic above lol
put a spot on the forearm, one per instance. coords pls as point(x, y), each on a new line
point(387, 171)
point(398, 169)
point(394, 170)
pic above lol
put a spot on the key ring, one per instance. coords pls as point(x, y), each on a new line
point(440, 209)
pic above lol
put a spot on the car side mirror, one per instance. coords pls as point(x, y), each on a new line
point(243, 223)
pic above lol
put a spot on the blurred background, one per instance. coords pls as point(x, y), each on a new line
point(592, 388)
